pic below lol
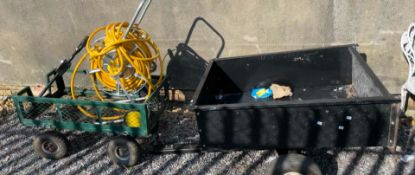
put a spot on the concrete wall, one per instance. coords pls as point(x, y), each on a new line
point(36, 34)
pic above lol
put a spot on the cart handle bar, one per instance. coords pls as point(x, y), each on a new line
point(211, 27)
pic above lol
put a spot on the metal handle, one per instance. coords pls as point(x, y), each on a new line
point(139, 13)
point(61, 69)
point(25, 90)
point(79, 48)
point(211, 27)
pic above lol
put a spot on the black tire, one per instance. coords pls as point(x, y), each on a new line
point(123, 151)
point(294, 164)
point(51, 145)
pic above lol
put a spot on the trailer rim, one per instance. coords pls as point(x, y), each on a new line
point(49, 147)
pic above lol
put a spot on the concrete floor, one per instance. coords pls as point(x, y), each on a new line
point(88, 156)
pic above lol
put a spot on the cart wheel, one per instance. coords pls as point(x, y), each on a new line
point(123, 151)
point(51, 145)
point(294, 164)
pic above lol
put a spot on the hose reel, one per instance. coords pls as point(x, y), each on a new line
point(121, 58)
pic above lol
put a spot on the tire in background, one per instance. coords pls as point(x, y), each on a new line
point(294, 164)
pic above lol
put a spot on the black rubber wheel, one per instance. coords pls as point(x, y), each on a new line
point(294, 164)
point(51, 145)
point(123, 151)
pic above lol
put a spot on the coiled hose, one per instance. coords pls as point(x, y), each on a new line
point(114, 60)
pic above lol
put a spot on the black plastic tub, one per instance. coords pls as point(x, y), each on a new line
point(337, 102)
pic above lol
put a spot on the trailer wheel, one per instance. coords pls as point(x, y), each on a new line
point(51, 145)
point(294, 164)
point(123, 151)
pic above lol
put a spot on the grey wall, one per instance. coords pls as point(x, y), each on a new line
point(36, 34)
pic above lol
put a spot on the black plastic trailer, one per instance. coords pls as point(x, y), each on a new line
point(337, 102)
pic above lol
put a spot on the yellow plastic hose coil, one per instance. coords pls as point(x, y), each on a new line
point(117, 60)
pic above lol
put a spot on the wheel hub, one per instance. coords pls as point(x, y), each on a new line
point(49, 147)
point(122, 153)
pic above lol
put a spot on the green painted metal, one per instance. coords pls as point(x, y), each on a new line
point(77, 102)
point(25, 95)
point(19, 108)
point(87, 127)
point(59, 111)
